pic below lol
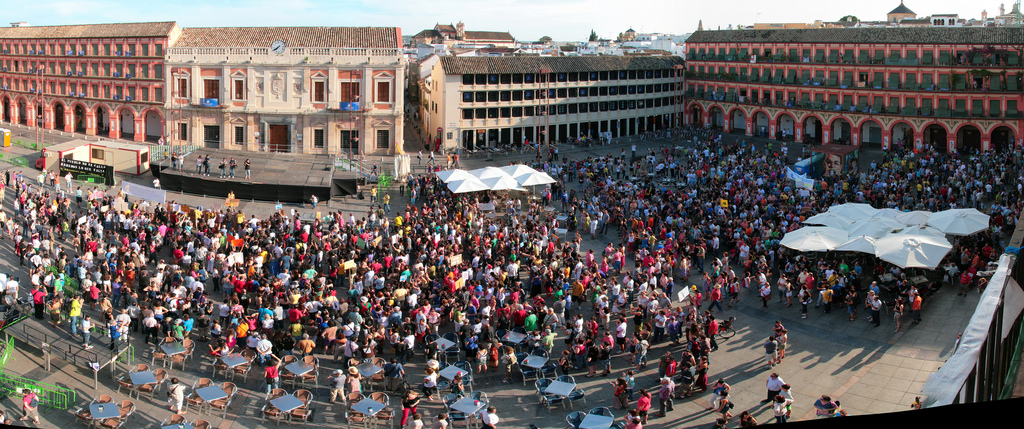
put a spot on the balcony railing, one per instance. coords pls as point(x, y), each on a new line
point(874, 109)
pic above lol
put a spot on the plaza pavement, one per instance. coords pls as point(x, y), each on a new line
point(868, 369)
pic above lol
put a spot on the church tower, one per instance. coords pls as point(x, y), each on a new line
point(700, 25)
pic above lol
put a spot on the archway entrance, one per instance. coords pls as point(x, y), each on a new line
point(715, 117)
point(871, 134)
point(841, 131)
point(7, 109)
point(903, 135)
point(22, 113)
point(935, 136)
point(58, 116)
point(968, 139)
point(79, 119)
point(155, 127)
point(761, 124)
point(127, 120)
point(1002, 139)
point(102, 121)
point(786, 125)
point(696, 116)
point(812, 130)
point(739, 121)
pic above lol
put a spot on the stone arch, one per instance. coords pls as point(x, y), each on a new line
point(902, 132)
point(6, 103)
point(79, 113)
point(716, 116)
point(813, 128)
point(968, 137)
point(870, 132)
point(936, 135)
point(761, 122)
point(1003, 138)
point(104, 118)
point(696, 114)
point(59, 111)
point(738, 119)
point(126, 122)
point(153, 124)
point(785, 124)
point(840, 130)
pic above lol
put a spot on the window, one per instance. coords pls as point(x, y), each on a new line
point(95, 49)
point(349, 92)
point(158, 71)
point(106, 69)
point(144, 92)
point(383, 137)
point(467, 79)
point(239, 133)
point(349, 139)
point(145, 71)
point(97, 154)
point(159, 50)
point(211, 88)
point(481, 97)
point(318, 138)
point(145, 49)
point(106, 49)
point(240, 88)
point(383, 92)
point(319, 91)
point(158, 94)
point(467, 113)
point(211, 134)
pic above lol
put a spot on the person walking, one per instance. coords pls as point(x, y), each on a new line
point(176, 396)
point(665, 396)
point(336, 382)
point(410, 403)
point(86, 332)
point(30, 405)
point(774, 386)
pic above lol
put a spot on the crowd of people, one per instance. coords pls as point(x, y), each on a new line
point(386, 283)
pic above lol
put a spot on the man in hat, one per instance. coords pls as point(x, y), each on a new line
point(336, 382)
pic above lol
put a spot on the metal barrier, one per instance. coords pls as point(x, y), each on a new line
point(49, 395)
point(160, 153)
point(983, 367)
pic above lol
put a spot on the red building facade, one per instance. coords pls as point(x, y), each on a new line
point(103, 79)
point(951, 88)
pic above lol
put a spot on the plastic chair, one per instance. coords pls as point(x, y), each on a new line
point(174, 419)
point(271, 412)
point(220, 366)
point(201, 424)
point(381, 397)
point(577, 395)
point(125, 382)
point(276, 393)
point(243, 370)
point(540, 352)
point(601, 411)
point(304, 395)
point(542, 385)
point(140, 367)
point(453, 415)
point(102, 399)
point(223, 403)
point(355, 417)
point(82, 414)
point(479, 396)
point(288, 360)
point(567, 379)
point(354, 397)
point(466, 378)
point(301, 414)
point(575, 418)
point(525, 371)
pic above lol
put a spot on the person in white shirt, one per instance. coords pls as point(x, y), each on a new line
point(488, 418)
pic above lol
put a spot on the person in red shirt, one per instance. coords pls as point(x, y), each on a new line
point(643, 405)
point(915, 309)
point(272, 374)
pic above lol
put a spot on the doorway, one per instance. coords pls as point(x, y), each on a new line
point(278, 138)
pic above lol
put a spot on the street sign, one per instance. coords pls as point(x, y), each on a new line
point(438, 129)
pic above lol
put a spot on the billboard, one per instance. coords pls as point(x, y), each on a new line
point(87, 171)
point(348, 107)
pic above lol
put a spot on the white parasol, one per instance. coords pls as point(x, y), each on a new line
point(873, 226)
point(959, 221)
point(829, 219)
point(470, 184)
point(916, 217)
point(452, 175)
point(534, 179)
point(860, 243)
point(488, 172)
point(912, 251)
point(517, 170)
point(501, 183)
point(815, 239)
point(921, 230)
point(853, 210)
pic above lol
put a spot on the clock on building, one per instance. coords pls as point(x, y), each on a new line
point(277, 47)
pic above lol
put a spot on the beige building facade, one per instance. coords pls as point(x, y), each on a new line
point(312, 90)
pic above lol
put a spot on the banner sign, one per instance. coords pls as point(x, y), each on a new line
point(87, 171)
point(348, 107)
point(144, 192)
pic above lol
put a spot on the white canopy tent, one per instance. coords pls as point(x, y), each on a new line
point(814, 239)
point(959, 221)
point(470, 184)
point(912, 251)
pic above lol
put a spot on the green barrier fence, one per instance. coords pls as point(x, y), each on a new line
point(49, 395)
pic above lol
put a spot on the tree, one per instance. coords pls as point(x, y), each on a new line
point(545, 39)
point(849, 18)
point(620, 38)
point(593, 35)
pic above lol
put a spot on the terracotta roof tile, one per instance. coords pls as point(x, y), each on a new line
point(528, 64)
point(132, 29)
point(297, 37)
point(945, 36)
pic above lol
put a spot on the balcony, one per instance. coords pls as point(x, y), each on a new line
point(995, 83)
point(960, 111)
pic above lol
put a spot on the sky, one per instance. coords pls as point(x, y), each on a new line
point(527, 20)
